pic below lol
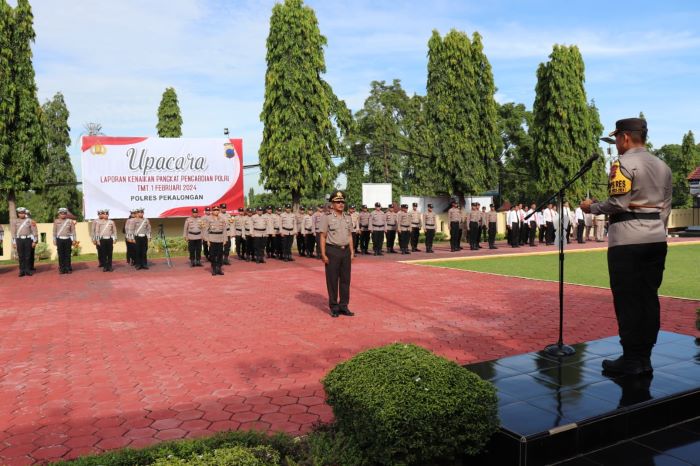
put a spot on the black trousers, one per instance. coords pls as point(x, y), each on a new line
point(474, 235)
point(105, 252)
point(301, 249)
point(514, 234)
point(338, 271)
point(429, 236)
point(194, 246)
point(259, 248)
point(355, 241)
point(277, 245)
point(549, 233)
point(377, 241)
point(240, 246)
point(286, 246)
point(636, 272)
point(492, 234)
point(310, 242)
point(542, 231)
point(24, 254)
point(63, 247)
point(533, 232)
point(484, 233)
point(390, 239)
point(227, 246)
point(415, 236)
point(318, 245)
point(581, 226)
point(205, 246)
point(524, 232)
point(216, 255)
point(404, 238)
point(454, 235)
point(364, 240)
point(130, 256)
point(141, 251)
point(268, 245)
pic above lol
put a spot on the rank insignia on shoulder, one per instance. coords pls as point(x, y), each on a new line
point(618, 183)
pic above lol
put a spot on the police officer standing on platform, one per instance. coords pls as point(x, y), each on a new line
point(337, 254)
point(454, 216)
point(63, 238)
point(24, 238)
point(192, 232)
point(638, 206)
point(430, 225)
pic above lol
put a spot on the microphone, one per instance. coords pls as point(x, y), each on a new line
point(590, 160)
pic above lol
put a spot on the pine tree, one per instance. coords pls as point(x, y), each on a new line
point(597, 178)
point(169, 119)
point(60, 176)
point(563, 130)
point(301, 115)
point(23, 163)
point(457, 73)
point(687, 161)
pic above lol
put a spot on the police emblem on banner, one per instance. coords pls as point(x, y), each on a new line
point(98, 149)
point(618, 183)
point(229, 151)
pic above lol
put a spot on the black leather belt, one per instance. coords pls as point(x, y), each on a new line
point(338, 247)
point(260, 229)
point(378, 226)
point(194, 232)
point(216, 232)
point(288, 229)
point(625, 216)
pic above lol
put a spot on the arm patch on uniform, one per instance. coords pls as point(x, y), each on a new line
point(618, 183)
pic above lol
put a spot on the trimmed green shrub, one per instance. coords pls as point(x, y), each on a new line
point(42, 251)
point(238, 456)
point(402, 404)
point(175, 244)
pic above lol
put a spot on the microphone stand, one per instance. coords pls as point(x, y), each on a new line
point(559, 349)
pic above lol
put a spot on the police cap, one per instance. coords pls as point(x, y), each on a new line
point(338, 196)
point(288, 206)
point(391, 206)
point(207, 209)
point(216, 207)
point(62, 210)
point(222, 205)
point(415, 204)
point(259, 209)
point(241, 209)
point(195, 210)
point(377, 204)
point(630, 124)
point(22, 210)
point(430, 206)
point(352, 206)
point(364, 206)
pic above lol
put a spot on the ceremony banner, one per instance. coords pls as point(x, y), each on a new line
point(165, 176)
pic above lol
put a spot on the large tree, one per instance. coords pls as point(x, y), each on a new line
point(461, 113)
point(24, 158)
point(563, 130)
point(61, 190)
point(6, 86)
point(169, 119)
point(682, 160)
point(303, 119)
point(517, 173)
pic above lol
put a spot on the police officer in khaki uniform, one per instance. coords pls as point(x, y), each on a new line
point(248, 238)
point(337, 253)
point(299, 219)
point(288, 229)
point(24, 238)
point(239, 233)
point(223, 213)
point(491, 220)
point(364, 230)
point(639, 204)
point(454, 216)
point(473, 219)
point(104, 233)
point(216, 237)
point(391, 228)
point(140, 234)
point(403, 219)
point(205, 219)
point(415, 227)
point(317, 232)
point(430, 225)
point(355, 217)
point(130, 255)
point(377, 226)
point(260, 230)
point(192, 232)
point(63, 239)
point(309, 235)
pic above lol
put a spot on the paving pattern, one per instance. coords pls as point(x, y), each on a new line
point(95, 361)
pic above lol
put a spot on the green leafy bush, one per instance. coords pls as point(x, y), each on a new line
point(42, 251)
point(76, 249)
point(402, 404)
point(175, 244)
point(238, 456)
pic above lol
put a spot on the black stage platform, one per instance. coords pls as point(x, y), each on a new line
point(552, 410)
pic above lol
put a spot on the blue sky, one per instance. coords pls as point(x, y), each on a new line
point(112, 59)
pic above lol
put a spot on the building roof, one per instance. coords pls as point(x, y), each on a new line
point(694, 175)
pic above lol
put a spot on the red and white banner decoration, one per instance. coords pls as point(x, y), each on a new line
point(165, 176)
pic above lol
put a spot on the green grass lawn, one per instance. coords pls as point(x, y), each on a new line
point(681, 277)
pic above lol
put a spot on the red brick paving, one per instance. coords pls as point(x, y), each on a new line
point(94, 361)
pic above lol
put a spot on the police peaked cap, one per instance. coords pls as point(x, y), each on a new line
point(630, 124)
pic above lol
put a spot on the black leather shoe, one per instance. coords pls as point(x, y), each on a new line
point(347, 312)
point(145, 267)
point(624, 366)
point(334, 313)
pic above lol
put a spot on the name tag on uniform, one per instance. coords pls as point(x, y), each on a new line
point(618, 183)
